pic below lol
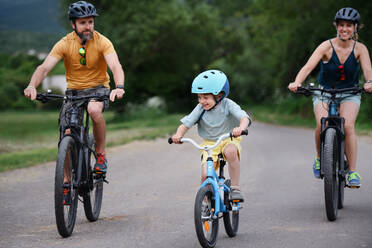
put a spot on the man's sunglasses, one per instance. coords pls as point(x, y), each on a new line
point(82, 53)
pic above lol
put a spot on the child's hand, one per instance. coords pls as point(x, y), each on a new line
point(237, 132)
point(176, 139)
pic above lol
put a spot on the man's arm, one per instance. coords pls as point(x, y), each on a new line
point(39, 75)
point(113, 63)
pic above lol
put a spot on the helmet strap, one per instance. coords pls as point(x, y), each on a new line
point(216, 102)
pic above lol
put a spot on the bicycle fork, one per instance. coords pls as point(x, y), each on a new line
point(338, 125)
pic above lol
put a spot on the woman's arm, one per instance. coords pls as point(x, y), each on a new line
point(365, 62)
point(313, 61)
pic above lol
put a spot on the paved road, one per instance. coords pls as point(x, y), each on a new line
point(149, 201)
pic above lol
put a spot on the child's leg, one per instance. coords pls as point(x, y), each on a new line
point(231, 154)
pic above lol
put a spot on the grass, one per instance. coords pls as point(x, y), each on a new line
point(299, 113)
point(28, 138)
point(264, 113)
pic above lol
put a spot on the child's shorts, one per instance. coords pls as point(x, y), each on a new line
point(219, 148)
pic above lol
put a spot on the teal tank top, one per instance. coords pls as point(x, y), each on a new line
point(336, 75)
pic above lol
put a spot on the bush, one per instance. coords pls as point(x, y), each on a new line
point(9, 94)
point(295, 105)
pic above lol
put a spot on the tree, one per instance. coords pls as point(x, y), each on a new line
point(164, 44)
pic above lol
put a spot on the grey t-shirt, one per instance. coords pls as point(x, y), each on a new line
point(222, 119)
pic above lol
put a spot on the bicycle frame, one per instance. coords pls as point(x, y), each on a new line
point(333, 120)
point(79, 132)
point(218, 185)
point(217, 182)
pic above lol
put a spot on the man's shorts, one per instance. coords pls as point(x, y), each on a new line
point(219, 149)
point(64, 115)
point(340, 98)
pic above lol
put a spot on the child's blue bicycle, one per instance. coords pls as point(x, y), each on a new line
point(212, 200)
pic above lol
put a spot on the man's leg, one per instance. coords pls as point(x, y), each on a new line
point(99, 125)
point(99, 131)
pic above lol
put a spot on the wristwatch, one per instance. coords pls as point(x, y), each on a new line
point(120, 86)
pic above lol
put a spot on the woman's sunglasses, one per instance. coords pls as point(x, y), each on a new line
point(82, 53)
point(342, 72)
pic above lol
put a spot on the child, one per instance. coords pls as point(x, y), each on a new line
point(215, 115)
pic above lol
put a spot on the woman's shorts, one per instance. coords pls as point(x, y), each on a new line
point(340, 98)
point(219, 149)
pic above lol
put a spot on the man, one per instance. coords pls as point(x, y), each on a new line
point(86, 54)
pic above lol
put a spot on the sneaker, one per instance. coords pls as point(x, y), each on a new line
point(66, 194)
point(101, 165)
point(236, 195)
point(353, 180)
point(316, 168)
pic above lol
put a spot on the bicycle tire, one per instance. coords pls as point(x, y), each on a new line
point(231, 217)
point(331, 178)
point(206, 228)
point(92, 198)
point(65, 214)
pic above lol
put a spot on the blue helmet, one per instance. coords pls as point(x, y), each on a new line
point(211, 81)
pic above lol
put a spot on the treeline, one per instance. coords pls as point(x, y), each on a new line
point(260, 44)
point(15, 41)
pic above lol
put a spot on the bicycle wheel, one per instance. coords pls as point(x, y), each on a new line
point(206, 227)
point(231, 217)
point(331, 178)
point(342, 186)
point(92, 198)
point(66, 168)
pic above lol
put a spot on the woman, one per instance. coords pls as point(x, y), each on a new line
point(340, 61)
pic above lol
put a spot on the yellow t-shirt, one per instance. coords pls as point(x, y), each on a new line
point(94, 73)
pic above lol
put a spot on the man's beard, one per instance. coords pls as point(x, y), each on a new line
point(85, 37)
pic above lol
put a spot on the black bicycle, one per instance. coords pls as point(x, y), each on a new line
point(74, 174)
point(333, 164)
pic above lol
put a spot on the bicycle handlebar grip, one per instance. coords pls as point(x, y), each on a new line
point(41, 97)
point(245, 132)
point(170, 141)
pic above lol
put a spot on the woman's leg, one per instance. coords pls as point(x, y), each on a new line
point(320, 110)
point(349, 111)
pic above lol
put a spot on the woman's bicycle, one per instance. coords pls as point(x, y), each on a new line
point(74, 174)
point(333, 164)
point(212, 200)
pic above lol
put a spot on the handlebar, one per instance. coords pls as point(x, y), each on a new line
point(206, 148)
point(45, 97)
point(308, 91)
